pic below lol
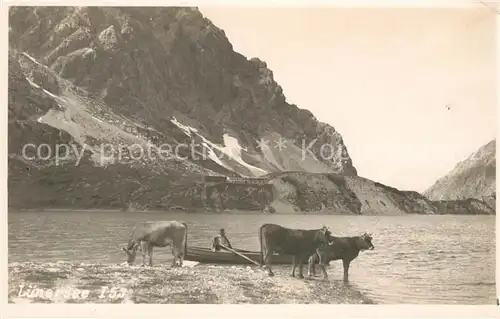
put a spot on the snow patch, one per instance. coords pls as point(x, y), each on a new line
point(95, 118)
point(212, 155)
point(31, 58)
point(33, 84)
point(268, 154)
point(233, 149)
point(187, 129)
point(88, 51)
point(50, 94)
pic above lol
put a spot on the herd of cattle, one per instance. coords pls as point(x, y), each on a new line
point(316, 246)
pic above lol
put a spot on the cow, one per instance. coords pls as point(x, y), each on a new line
point(147, 235)
point(299, 243)
point(345, 248)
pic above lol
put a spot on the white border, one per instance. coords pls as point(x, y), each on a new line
point(260, 3)
point(220, 311)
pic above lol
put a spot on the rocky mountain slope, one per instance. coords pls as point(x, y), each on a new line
point(474, 177)
point(139, 104)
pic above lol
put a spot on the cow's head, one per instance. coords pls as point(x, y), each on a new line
point(365, 242)
point(325, 236)
point(131, 253)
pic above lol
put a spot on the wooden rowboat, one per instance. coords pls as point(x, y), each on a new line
point(206, 255)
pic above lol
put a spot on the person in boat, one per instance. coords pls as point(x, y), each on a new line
point(220, 239)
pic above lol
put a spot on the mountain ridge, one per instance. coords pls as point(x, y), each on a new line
point(111, 82)
point(473, 177)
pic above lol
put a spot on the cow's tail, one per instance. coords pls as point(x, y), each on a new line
point(315, 257)
point(185, 239)
point(261, 245)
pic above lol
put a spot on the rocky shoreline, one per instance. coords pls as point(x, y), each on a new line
point(64, 282)
point(456, 207)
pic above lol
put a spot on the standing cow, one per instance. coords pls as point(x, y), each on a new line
point(158, 234)
point(345, 248)
point(298, 243)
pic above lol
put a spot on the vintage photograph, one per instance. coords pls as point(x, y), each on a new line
point(252, 155)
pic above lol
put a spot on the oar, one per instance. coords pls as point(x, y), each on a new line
point(237, 253)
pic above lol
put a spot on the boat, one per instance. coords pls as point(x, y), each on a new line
point(206, 255)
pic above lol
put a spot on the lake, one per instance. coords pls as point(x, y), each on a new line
point(417, 259)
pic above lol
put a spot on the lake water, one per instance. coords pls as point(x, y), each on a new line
point(417, 259)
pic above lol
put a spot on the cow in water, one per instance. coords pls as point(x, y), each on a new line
point(345, 248)
point(147, 235)
point(298, 243)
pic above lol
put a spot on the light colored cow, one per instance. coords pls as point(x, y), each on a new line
point(147, 235)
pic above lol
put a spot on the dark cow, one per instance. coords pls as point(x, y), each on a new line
point(345, 248)
point(299, 243)
point(158, 234)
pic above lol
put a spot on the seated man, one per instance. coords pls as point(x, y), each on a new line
point(220, 239)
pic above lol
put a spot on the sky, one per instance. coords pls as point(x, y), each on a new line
point(382, 77)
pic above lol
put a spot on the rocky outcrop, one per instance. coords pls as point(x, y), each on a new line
point(469, 206)
point(149, 64)
point(470, 188)
point(104, 79)
point(474, 177)
point(163, 80)
point(325, 193)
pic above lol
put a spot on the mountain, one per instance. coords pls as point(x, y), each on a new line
point(474, 177)
point(133, 108)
